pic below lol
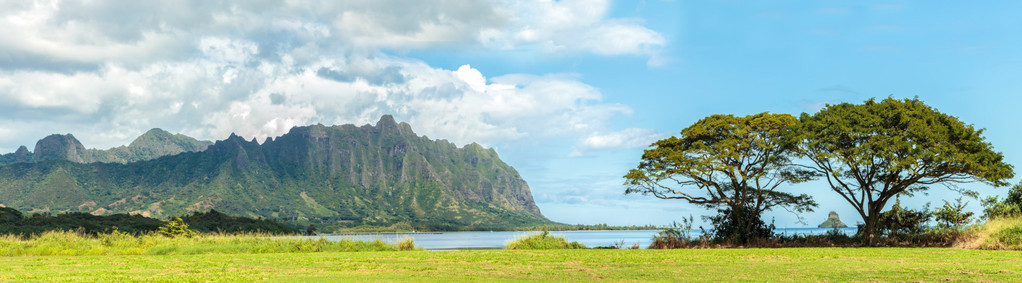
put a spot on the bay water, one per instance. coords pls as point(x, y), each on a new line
point(497, 240)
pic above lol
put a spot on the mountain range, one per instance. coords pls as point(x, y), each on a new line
point(153, 144)
point(334, 176)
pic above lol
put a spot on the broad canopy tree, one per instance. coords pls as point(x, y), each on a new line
point(872, 152)
point(723, 161)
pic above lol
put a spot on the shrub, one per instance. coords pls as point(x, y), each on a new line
point(176, 228)
point(901, 222)
point(1010, 237)
point(952, 216)
point(669, 239)
point(730, 227)
point(542, 241)
point(1009, 207)
point(406, 244)
point(997, 233)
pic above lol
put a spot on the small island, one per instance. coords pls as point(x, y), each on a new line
point(833, 221)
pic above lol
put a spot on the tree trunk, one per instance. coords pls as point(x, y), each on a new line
point(747, 234)
point(738, 214)
point(869, 235)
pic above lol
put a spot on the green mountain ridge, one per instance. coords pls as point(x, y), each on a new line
point(153, 144)
point(339, 176)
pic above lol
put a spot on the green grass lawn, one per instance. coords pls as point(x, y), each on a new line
point(794, 264)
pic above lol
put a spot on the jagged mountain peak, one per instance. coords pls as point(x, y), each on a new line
point(387, 125)
point(386, 121)
point(232, 141)
point(57, 146)
point(152, 144)
point(22, 151)
point(157, 136)
point(65, 139)
point(157, 132)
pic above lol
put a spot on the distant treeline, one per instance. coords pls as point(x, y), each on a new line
point(402, 227)
point(13, 221)
point(586, 227)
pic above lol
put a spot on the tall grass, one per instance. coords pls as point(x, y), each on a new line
point(542, 241)
point(406, 244)
point(1004, 233)
point(78, 243)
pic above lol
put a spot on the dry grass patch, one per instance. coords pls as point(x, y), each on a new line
point(1003, 233)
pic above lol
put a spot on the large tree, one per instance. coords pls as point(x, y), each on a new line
point(874, 151)
point(723, 161)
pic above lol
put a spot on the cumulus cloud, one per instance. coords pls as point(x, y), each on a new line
point(111, 70)
point(57, 34)
point(459, 105)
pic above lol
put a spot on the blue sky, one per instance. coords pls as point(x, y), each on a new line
point(568, 92)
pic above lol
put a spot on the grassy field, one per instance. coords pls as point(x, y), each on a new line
point(794, 264)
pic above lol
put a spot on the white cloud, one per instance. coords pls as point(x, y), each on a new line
point(53, 34)
point(227, 51)
point(111, 70)
point(624, 139)
point(459, 105)
point(573, 26)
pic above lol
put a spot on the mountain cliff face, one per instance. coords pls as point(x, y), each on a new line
point(60, 147)
point(153, 144)
point(340, 175)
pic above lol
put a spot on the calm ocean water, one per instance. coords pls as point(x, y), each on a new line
point(496, 240)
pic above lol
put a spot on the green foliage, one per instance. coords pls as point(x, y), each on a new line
point(1002, 233)
point(1010, 237)
point(676, 236)
point(953, 216)
point(9, 216)
point(211, 221)
point(406, 244)
point(739, 227)
point(176, 228)
point(1009, 207)
point(832, 238)
point(899, 221)
point(84, 222)
point(214, 221)
point(669, 239)
point(542, 241)
point(725, 161)
point(875, 151)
